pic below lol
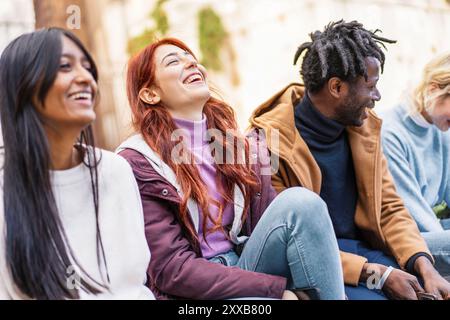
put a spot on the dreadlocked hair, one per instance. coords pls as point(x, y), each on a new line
point(339, 51)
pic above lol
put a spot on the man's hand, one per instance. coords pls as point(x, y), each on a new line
point(399, 285)
point(434, 283)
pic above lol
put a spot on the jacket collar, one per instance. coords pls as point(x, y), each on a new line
point(277, 113)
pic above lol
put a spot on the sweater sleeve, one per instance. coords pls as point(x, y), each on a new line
point(398, 227)
point(4, 295)
point(407, 184)
point(4, 274)
point(3, 292)
point(175, 268)
point(140, 249)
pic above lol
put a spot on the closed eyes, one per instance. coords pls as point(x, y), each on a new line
point(172, 62)
point(64, 66)
point(175, 57)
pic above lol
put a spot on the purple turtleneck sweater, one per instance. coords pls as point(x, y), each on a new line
point(199, 147)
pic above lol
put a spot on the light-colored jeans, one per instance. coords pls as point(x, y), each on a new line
point(294, 239)
point(439, 244)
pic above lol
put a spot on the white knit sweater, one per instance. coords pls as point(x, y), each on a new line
point(121, 225)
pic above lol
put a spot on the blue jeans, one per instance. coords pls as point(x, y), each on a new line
point(294, 239)
point(439, 244)
point(361, 292)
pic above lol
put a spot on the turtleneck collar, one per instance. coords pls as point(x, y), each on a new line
point(195, 129)
point(420, 120)
point(319, 127)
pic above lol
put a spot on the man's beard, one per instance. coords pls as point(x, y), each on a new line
point(350, 113)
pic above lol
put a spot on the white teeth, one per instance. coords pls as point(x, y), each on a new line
point(81, 95)
point(193, 78)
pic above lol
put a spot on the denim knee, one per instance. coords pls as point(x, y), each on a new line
point(305, 205)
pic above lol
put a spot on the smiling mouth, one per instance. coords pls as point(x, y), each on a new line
point(81, 96)
point(193, 78)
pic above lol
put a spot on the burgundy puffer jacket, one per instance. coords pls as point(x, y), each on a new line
point(177, 268)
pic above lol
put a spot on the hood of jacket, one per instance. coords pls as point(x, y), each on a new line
point(138, 144)
point(277, 114)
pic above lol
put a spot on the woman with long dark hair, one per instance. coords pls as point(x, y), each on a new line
point(205, 200)
point(71, 218)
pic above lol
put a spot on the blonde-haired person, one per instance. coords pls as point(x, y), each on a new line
point(416, 141)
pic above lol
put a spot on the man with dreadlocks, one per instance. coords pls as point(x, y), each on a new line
point(329, 142)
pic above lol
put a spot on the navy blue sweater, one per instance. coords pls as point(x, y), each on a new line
point(327, 141)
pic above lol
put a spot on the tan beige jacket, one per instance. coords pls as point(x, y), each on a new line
point(380, 214)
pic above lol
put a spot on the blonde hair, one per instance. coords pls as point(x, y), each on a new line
point(436, 73)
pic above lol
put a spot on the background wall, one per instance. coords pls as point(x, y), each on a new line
point(263, 36)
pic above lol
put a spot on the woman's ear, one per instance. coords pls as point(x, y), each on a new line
point(149, 96)
point(432, 87)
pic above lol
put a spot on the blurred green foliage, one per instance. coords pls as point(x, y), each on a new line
point(161, 28)
point(159, 15)
point(442, 210)
point(212, 36)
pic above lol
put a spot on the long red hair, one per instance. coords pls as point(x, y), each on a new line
point(156, 125)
